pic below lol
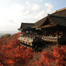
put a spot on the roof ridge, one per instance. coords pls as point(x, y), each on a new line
point(61, 10)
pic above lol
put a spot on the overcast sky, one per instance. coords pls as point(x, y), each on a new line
point(13, 12)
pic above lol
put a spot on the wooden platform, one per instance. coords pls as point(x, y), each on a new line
point(26, 40)
point(29, 41)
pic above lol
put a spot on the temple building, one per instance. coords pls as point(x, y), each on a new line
point(51, 28)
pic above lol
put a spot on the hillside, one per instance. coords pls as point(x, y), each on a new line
point(12, 54)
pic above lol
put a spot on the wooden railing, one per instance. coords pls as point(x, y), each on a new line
point(45, 38)
point(50, 38)
point(29, 39)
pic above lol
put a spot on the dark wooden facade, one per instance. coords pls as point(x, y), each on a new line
point(51, 28)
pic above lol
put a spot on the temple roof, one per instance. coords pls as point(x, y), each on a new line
point(60, 20)
point(26, 25)
point(58, 17)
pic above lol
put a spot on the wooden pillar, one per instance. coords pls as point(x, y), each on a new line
point(57, 37)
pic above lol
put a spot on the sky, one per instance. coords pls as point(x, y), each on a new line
point(15, 12)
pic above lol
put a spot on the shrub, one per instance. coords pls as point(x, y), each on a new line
point(6, 35)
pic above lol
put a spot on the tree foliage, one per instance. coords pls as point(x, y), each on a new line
point(11, 54)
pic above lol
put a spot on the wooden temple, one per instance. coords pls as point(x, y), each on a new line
point(51, 28)
point(28, 33)
point(54, 28)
